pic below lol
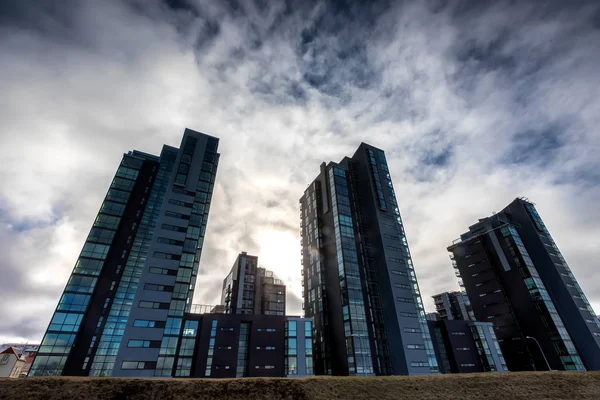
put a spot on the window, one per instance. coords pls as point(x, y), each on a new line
point(180, 203)
point(112, 208)
point(190, 328)
point(143, 343)
point(174, 228)
point(154, 304)
point(402, 286)
point(167, 256)
point(172, 242)
point(88, 266)
point(415, 347)
point(396, 260)
point(307, 329)
point(394, 237)
point(412, 330)
point(265, 348)
point(101, 235)
point(65, 322)
point(144, 323)
point(404, 300)
point(138, 365)
point(93, 250)
point(419, 364)
point(162, 271)
point(457, 333)
point(408, 315)
point(227, 328)
point(158, 288)
point(467, 365)
point(463, 348)
point(290, 328)
point(107, 221)
point(81, 284)
point(73, 302)
point(397, 272)
point(176, 215)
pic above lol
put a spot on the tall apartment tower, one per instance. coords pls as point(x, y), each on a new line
point(250, 289)
point(453, 305)
point(516, 278)
point(360, 286)
point(121, 311)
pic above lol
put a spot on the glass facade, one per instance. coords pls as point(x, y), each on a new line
point(358, 349)
point(543, 231)
point(242, 356)
point(416, 294)
point(65, 323)
point(86, 333)
point(114, 324)
point(563, 344)
point(187, 272)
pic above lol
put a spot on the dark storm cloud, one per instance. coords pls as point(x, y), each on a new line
point(474, 102)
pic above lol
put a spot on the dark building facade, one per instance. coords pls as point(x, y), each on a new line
point(516, 278)
point(244, 345)
point(359, 281)
point(463, 346)
point(453, 305)
point(135, 275)
point(250, 289)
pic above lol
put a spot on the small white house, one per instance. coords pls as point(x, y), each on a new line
point(11, 363)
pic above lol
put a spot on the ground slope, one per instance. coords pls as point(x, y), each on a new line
point(537, 385)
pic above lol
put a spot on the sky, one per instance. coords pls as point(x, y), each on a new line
point(475, 103)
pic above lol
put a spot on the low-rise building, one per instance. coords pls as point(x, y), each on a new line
point(466, 346)
point(11, 363)
point(244, 345)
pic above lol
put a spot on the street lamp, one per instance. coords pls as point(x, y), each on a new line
point(541, 351)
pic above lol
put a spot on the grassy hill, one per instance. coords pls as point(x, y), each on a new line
point(536, 385)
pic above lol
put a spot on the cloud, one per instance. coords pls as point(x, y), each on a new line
point(475, 103)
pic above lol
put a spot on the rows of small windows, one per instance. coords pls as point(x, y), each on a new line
point(415, 347)
point(186, 159)
point(242, 356)
point(377, 180)
point(118, 312)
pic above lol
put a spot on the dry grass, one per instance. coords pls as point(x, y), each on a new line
point(540, 385)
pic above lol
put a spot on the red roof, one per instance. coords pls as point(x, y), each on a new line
point(9, 350)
